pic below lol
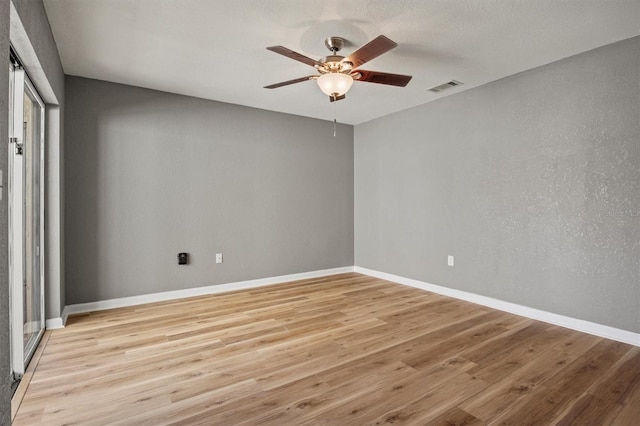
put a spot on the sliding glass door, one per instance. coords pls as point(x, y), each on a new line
point(26, 214)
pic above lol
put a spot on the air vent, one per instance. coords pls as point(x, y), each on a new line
point(445, 86)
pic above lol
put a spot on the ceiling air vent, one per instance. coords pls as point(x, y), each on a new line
point(448, 85)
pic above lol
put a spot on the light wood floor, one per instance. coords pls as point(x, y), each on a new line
point(341, 350)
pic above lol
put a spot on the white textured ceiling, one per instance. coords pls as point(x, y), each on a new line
point(215, 49)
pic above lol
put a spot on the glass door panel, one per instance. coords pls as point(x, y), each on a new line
point(25, 218)
point(32, 291)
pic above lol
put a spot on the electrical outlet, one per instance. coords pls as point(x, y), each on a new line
point(218, 257)
point(183, 258)
point(450, 260)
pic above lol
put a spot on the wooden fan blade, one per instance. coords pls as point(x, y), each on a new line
point(383, 78)
point(336, 98)
point(373, 49)
point(294, 55)
point(288, 82)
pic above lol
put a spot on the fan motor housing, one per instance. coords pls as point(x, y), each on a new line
point(331, 58)
point(334, 63)
point(334, 44)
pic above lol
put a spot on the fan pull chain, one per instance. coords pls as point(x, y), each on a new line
point(334, 120)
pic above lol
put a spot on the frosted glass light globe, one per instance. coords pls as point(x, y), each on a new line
point(335, 83)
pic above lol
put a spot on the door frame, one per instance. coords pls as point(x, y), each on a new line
point(19, 84)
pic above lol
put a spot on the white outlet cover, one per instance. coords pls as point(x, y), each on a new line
point(450, 260)
point(218, 257)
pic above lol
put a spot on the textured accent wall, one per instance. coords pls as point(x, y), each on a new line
point(151, 174)
point(532, 182)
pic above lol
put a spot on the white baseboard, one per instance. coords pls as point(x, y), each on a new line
point(191, 292)
point(537, 314)
point(53, 323)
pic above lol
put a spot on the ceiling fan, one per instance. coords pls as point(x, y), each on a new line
point(337, 73)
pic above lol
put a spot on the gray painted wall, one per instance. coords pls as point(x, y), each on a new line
point(5, 354)
point(531, 182)
point(150, 174)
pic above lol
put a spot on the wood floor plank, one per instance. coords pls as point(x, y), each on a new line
point(606, 397)
point(313, 408)
point(565, 389)
point(619, 382)
point(630, 412)
point(456, 417)
point(589, 409)
point(340, 350)
point(178, 412)
point(512, 387)
point(252, 406)
point(432, 404)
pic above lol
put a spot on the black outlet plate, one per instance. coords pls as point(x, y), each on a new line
point(183, 258)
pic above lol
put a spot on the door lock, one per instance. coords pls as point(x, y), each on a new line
point(19, 146)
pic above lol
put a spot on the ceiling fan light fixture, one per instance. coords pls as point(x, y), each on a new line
point(336, 73)
point(335, 84)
